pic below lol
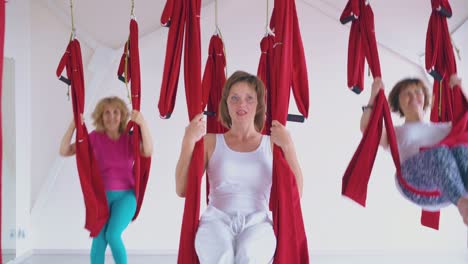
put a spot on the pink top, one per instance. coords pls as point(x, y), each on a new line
point(115, 160)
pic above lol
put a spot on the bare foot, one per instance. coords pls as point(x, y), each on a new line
point(462, 205)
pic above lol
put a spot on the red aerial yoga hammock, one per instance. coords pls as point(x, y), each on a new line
point(357, 175)
point(213, 81)
point(282, 65)
point(178, 14)
point(441, 64)
point(2, 40)
point(362, 43)
point(97, 211)
point(449, 104)
point(129, 70)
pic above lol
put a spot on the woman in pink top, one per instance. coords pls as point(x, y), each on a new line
point(113, 150)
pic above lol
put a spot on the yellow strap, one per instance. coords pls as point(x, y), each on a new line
point(440, 99)
point(127, 55)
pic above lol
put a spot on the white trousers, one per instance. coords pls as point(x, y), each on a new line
point(239, 239)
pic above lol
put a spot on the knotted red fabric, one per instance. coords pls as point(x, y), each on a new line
point(180, 14)
point(284, 198)
point(362, 43)
point(97, 211)
point(2, 43)
point(131, 59)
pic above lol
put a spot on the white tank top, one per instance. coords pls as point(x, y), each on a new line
point(412, 136)
point(240, 182)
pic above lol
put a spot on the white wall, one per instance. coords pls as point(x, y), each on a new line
point(8, 161)
point(18, 46)
point(325, 143)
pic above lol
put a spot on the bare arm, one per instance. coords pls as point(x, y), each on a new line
point(193, 133)
point(281, 137)
point(66, 147)
point(377, 85)
point(146, 140)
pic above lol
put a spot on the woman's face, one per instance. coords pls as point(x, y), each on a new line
point(111, 118)
point(411, 100)
point(242, 103)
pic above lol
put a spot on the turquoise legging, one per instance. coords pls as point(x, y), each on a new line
point(122, 206)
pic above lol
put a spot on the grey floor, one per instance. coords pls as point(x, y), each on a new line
point(315, 259)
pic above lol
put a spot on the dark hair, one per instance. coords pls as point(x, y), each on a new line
point(394, 96)
point(255, 83)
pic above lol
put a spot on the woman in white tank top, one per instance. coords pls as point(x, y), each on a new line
point(237, 226)
point(441, 168)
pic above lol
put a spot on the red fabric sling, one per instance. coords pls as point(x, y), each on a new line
point(214, 78)
point(213, 81)
point(174, 17)
point(362, 43)
point(97, 211)
point(131, 59)
point(357, 175)
point(448, 104)
point(264, 72)
point(284, 199)
point(2, 43)
point(180, 14)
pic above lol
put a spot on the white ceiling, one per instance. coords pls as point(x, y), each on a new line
point(400, 24)
point(106, 21)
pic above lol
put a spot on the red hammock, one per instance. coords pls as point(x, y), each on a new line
point(179, 14)
point(214, 78)
point(362, 43)
point(213, 81)
point(284, 199)
point(448, 104)
point(264, 72)
point(357, 174)
point(129, 68)
point(440, 63)
point(2, 40)
point(97, 211)
point(174, 16)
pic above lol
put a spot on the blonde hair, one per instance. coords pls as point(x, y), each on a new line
point(394, 96)
point(99, 110)
point(255, 83)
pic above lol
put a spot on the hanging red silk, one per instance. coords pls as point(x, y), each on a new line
point(97, 211)
point(362, 43)
point(131, 59)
